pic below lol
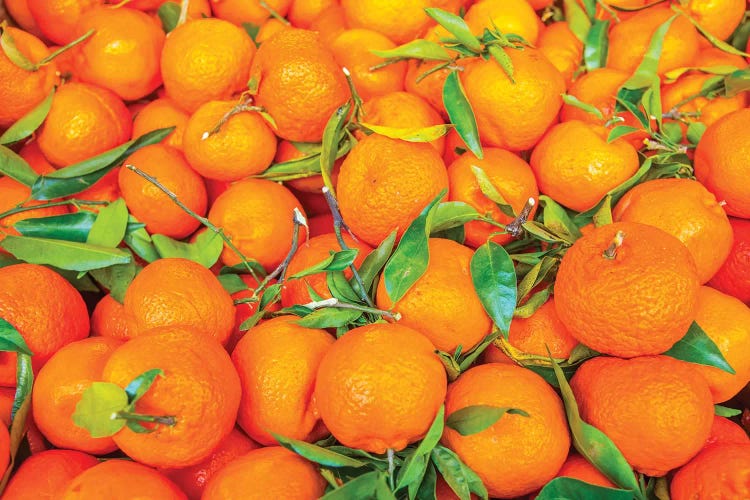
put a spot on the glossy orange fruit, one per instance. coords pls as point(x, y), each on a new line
point(718, 17)
point(121, 480)
point(248, 11)
point(21, 14)
point(161, 113)
point(733, 277)
point(57, 19)
point(303, 12)
point(558, 44)
point(541, 331)
point(578, 467)
point(508, 16)
point(688, 88)
point(57, 467)
point(717, 472)
point(109, 319)
point(725, 431)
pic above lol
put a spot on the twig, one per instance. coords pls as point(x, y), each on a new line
point(337, 304)
point(75, 203)
point(515, 228)
point(280, 271)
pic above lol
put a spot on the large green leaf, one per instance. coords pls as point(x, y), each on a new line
point(68, 255)
point(494, 278)
point(461, 114)
point(697, 347)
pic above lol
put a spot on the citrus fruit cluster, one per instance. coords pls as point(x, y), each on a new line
point(388, 249)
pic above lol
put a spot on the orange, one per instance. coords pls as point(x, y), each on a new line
point(299, 83)
point(7, 395)
point(629, 40)
point(151, 205)
point(511, 176)
point(429, 88)
point(578, 467)
point(45, 309)
point(403, 110)
point(719, 162)
point(303, 12)
point(192, 480)
point(330, 22)
point(733, 277)
point(709, 110)
point(529, 106)
point(205, 60)
point(385, 183)
point(517, 454)
point(268, 29)
point(277, 362)
point(686, 210)
point(724, 431)
point(714, 56)
point(58, 389)
point(13, 194)
point(57, 19)
point(243, 145)
point(248, 11)
point(123, 54)
point(258, 216)
point(657, 410)
point(726, 321)
point(320, 225)
point(109, 319)
point(442, 304)
point(717, 472)
point(272, 472)
point(353, 48)
point(541, 331)
point(121, 480)
point(576, 166)
point(379, 387)
point(399, 20)
point(245, 310)
point(287, 151)
point(179, 292)
point(639, 302)
point(105, 189)
point(84, 120)
point(718, 17)
point(21, 14)
point(35, 158)
point(57, 467)
point(161, 113)
point(21, 90)
point(200, 388)
point(509, 16)
point(599, 88)
point(454, 147)
point(197, 9)
point(311, 252)
point(562, 48)
point(540, 4)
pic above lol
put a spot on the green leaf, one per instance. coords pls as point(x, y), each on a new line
point(737, 82)
point(169, 14)
point(205, 251)
point(64, 254)
point(415, 464)
point(577, 19)
point(31, 121)
point(535, 276)
point(416, 49)
point(16, 167)
point(672, 131)
point(116, 278)
point(596, 46)
point(141, 384)
point(98, 404)
point(409, 262)
point(375, 261)
point(71, 227)
point(340, 287)
point(462, 480)
point(80, 176)
point(337, 261)
point(647, 70)
point(490, 191)
point(456, 27)
point(8, 46)
point(410, 134)
point(695, 131)
point(11, 339)
point(697, 347)
point(329, 317)
point(140, 242)
point(109, 227)
point(476, 418)
point(461, 114)
point(467, 359)
point(592, 443)
point(603, 216)
point(503, 59)
point(426, 490)
point(363, 486)
point(716, 42)
point(621, 131)
point(452, 214)
point(232, 283)
point(740, 36)
point(317, 454)
point(557, 219)
point(572, 100)
point(494, 278)
point(568, 487)
point(19, 412)
point(330, 145)
point(723, 411)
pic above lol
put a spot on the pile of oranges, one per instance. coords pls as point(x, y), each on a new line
point(392, 249)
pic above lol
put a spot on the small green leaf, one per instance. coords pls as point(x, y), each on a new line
point(415, 465)
point(557, 219)
point(329, 317)
point(716, 42)
point(109, 227)
point(11, 339)
point(494, 278)
point(140, 242)
point(64, 254)
point(461, 114)
point(596, 46)
point(476, 418)
point(232, 283)
point(533, 303)
point(426, 490)
point(578, 21)
point(375, 261)
point(141, 384)
point(337, 261)
point(116, 278)
point(8, 46)
point(452, 214)
point(695, 131)
point(736, 82)
point(647, 70)
point(317, 454)
point(697, 347)
point(456, 27)
point(19, 412)
point(621, 131)
point(31, 121)
point(572, 100)
point(16, 167)
point(423, 134)
point(416, 49)
point(723, 411)
point(603, 216)
point(71, 227)
point(205, 251)
point(672, 131)
point(96, 411)
point(468, 358)
point(461, 479)
point(332, 135)
point(363, 486)
point(490, 191)
point(568, 487)
point(503, 59)
point(169, 14)
point(341, 288)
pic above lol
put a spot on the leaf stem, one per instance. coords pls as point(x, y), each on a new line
point(60, 203)
point(515, 228)
point(243, 105)
point(137, 417)
point(280, 271)
point(391, 469)
point(336, 303)
point(273, 13)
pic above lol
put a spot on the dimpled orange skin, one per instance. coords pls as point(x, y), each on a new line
point(509, 174)
point(725, 431)
point(161, 113)
point(200, 388)
point(123, 53)
point(578, 467)
point(179, 292)
point(641, 302)
point(57, 19)
point(21, 90)
point(720, 162)
point(45, 309)
point(442, 304)
point(299, 83)
point(687, 210)
point(541, 331)
point(58, 388)
point(205, 60)
point(718, 17)
point(248, 11)
point(193, 479)
point(19, 11)
point(562, 48)
point(312, 252)
point(352, 50)
point(272, 472)
point(517, 454)
point(657, 410)
point(726, 321)
point(151, 205)
point(429, 88)
point(529, 106)
point(385, 183)
point(509, 16)
point(733, 278)
point(244, 145)
point(277, 362)
point(258, 215)
point(629, 40)
point(717, 472)
point(57, 467)
point(380, 386)
point(84, 120)
point(121, 480)
point(709, 110)
point(109, 319)
point(303, 12)
point(576, 166)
